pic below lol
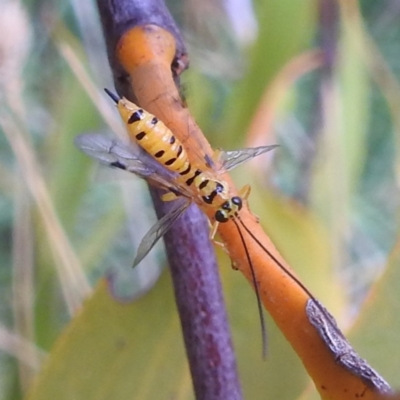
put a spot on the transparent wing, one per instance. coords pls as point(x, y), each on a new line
point(158, 230)
point(115, 153)
point(231, 159)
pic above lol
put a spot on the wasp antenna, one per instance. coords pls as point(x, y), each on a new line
point(112, 95)
point(293, 277)
point(264, 337)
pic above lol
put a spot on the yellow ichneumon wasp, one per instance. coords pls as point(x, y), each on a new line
point(160, 158)
point(176, 173)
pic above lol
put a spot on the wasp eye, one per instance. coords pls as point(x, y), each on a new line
point(220, 216)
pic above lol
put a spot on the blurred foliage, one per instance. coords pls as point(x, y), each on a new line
point(328, 198)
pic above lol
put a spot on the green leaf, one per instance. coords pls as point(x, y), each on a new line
point(118, 350)
point(376, 334)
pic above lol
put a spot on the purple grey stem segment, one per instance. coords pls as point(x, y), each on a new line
point(193, 265)
point(201, 307)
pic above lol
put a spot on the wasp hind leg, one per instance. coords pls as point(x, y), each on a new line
point(170, 196)
point(215, 159)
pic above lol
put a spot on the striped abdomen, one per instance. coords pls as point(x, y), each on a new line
point(154, 137)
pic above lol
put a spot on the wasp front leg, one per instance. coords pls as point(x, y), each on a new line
point(213, 232)
point(244, 193)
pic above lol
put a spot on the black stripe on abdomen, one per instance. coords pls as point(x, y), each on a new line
point(204, 184)
point(136, 116)
point(186, 171)
point(210, 198)
point(159, 154)
point(140, 135)
point(195, 175)
point(170, 161)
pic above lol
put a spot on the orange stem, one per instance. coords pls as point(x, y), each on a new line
point(146, 54)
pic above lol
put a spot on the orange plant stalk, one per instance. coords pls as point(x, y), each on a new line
point(146, 53)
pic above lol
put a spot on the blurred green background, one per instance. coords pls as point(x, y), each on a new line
point(328, 197)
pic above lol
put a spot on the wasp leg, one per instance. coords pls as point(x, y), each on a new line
point(213, 232)
point(214, 159)
point(217, 155)
point(244, 193)
point(234, 265)
point(169, 196)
